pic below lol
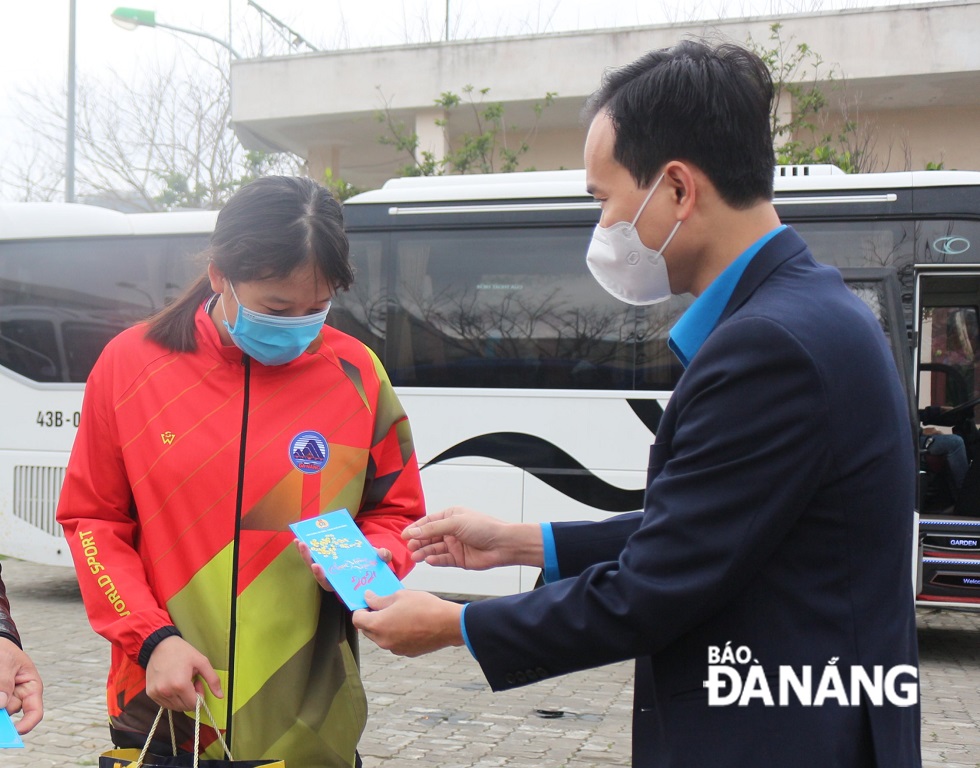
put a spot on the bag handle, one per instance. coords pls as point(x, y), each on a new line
point(173, 735)
point(197, 729)
point(149, 737)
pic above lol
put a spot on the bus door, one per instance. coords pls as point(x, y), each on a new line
point(947, 330)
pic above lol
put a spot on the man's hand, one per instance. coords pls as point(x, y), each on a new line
point(464, 538)
point(410, 623)
point(20, 686)
point(172, 675)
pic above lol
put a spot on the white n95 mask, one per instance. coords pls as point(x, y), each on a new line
point(624, 266)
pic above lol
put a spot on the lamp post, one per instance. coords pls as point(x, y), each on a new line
point(70, 117)
point(131, 18)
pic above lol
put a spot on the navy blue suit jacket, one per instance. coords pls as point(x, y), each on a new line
point(777, 516)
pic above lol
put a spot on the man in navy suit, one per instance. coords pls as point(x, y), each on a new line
point(765, 590)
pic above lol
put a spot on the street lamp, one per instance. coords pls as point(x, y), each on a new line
point(131, 18)
point(70, 117)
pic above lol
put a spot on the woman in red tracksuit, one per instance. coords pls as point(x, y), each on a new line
point(183, 480)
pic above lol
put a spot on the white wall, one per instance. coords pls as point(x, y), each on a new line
point(916, 68)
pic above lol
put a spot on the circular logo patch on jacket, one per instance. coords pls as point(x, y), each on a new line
point(309, 453)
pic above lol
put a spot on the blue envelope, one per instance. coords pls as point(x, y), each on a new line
point(349, 560)
point(9, 738)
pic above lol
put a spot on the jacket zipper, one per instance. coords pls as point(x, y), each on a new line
point(229, 693)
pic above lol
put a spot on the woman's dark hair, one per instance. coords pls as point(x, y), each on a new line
point(267, 230)
point(708, 105)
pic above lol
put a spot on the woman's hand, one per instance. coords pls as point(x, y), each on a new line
point(175, 672)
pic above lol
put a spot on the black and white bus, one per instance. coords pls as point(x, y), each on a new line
point(533, 394)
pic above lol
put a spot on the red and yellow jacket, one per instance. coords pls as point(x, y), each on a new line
point(185, 473)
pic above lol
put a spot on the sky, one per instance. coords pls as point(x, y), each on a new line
point(34, 34)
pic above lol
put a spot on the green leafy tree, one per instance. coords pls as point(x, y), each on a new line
point(490, 148)
point(339, 187)
point(810, 135)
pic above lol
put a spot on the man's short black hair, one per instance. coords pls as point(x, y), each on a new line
point(707, 105)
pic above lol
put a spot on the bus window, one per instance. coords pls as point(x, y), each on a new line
point(944, 241)
point(361, 311)
point(656, 366)
point(950, 336)
point(61, 301)
point(880, 291)
point(860, 243)
point(867, 243)
point(84, 343)
point(872, 294)
point(29, 347)
point(517, 308)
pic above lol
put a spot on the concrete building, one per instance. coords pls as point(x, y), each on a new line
point(911, 74)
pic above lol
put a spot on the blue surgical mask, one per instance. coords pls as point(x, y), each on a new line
point(271, 339)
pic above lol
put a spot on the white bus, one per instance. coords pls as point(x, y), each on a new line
point(71, 277)
point(533, 394)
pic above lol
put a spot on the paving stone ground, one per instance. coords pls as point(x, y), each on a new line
point(437, 710)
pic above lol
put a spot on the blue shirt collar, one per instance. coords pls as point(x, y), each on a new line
point(696, 324)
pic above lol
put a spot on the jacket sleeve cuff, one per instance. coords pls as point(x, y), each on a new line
point(462, 626)
point(150, 644)
point(11, 637)
point(550, 572)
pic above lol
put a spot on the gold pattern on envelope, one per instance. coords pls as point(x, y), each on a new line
point(329, 544)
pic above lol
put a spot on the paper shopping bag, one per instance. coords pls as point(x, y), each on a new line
point(130, 758)
point(143, 758)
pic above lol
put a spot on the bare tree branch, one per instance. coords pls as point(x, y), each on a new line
point(162, 140)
